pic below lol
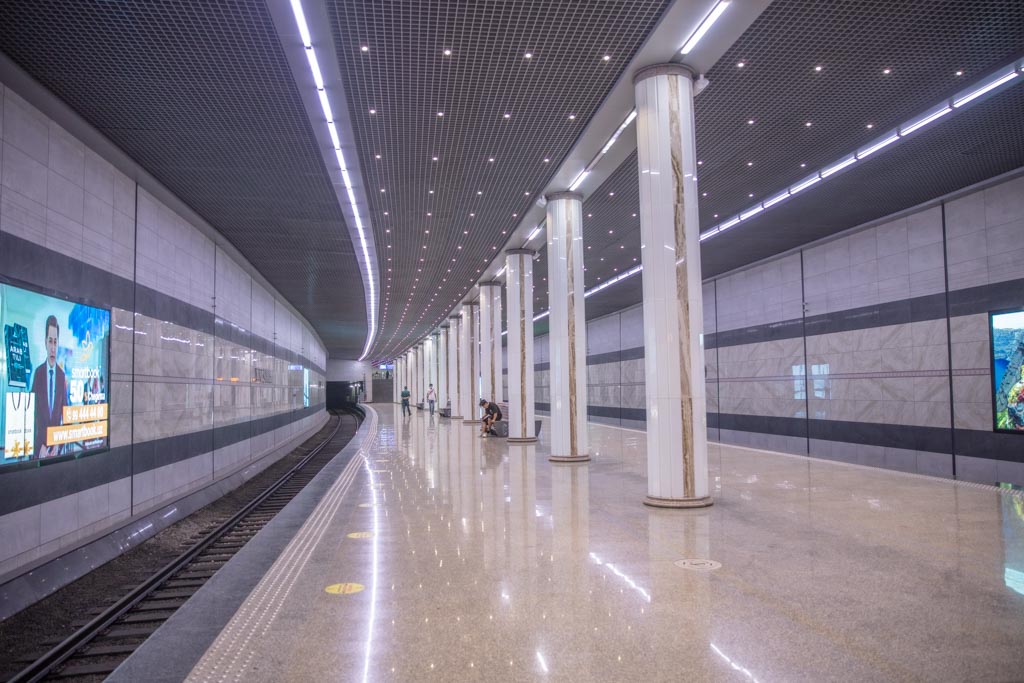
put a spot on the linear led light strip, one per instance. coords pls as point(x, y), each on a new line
point(999, 78)
point(325, 105)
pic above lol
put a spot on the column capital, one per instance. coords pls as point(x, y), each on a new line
point(455, 316)
point(491, 283)
point(470, 303)
point(513, 252)
point(670, 69)
point(566, 194)
point(444, 326)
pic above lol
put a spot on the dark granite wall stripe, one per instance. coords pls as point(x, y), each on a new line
point(985, 298)
point(32, 486)
point(25, 263)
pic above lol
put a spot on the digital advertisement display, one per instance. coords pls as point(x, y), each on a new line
point(54, 377)
point(1008, 370)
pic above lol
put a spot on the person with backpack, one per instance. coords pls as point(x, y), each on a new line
point(405, 401)
point(492, 413)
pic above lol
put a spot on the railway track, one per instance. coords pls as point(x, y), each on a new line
point(97, 648)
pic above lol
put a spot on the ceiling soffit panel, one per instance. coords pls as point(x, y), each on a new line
point(463, 199)
point(200, 94)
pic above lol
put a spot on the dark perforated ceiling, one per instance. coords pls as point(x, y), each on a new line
point(497, 103)
point(201, 96)
point(923, 44)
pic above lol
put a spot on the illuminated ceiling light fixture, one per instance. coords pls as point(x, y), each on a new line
point(314, 67)
point(999, 78)
point(618, 132)
point(533, 233)
point(708, 22)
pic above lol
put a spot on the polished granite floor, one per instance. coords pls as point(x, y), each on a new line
point(478, 560)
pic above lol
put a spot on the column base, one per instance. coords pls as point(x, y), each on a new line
point(569, 458)
point(455, 417)
point(678, 503)
point(471, 422)
point(528, 439)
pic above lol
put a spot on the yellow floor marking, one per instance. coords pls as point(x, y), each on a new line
point(344, 588)
point(360, 534)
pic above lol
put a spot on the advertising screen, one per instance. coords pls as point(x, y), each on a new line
point(1008, 370)
point(54, 377)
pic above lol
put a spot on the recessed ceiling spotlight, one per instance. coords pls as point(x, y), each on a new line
point(447, 53)
point(803, 165)
point(490, 161)
point(702, 194)
point(572, 117)
point(607, 58)
point(750, 122)
point(479, 192)
point(431, 191)
point(716, 215)
point(700, 163)
point(740, 65)
point(433, 158)
point(382, 189)
point(472, 215)
point(377, 155)
point(365, 48)
point(870, 126)
point(611, 232)
point(750, 163)
point(817, 68)
point(515, 215)
point(528, 55)
point(440, 113)
point(546, 160)
point(807, 124)
point(886, 71)
point(634, 215)
point(959, 73)
point(386, 213)
point(373, 111)
point(751, 194)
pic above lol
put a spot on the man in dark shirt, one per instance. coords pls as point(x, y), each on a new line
point(50, 389)
point(405, 401)
point(492, 413)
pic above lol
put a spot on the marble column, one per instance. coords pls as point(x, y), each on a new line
point(395, 388)
point(477, 375)
point(454, 365)
point(490, 312)
point(468, 363)
point(430, 355)
point(677, 450)
point(442, 366)
point(519, 290)
point(417, 393)
point(568, 336)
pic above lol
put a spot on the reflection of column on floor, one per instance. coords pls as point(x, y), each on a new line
point(522, 516)
point(431, 456)
point(570, 547)
point(444, 457)
point(677, 537)
point(468, 476)
point(492, 508)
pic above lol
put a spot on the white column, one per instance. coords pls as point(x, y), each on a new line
point(677, 449)
point(468, 363)
point(394, 381)
point(429, 351)
point(489, 374)
point(443, 342)
point(368, 384)
point(455, 382)
point(478, 375)
point(519, 290)
point(568, 337)
point(421, 372)
point(435, 359)
point(495, 348)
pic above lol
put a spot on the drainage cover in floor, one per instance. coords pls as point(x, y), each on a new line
point(698, 565)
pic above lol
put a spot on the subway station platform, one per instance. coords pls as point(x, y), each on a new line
point(428, 553)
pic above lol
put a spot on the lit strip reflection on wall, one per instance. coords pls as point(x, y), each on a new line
point(325, 106)
point(989, 84)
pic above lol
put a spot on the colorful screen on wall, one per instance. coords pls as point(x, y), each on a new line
point(54, 377)
point(1008, 370)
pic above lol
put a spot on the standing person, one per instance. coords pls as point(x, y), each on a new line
point(492, 413)
point(431, 398)
point(405, 401)
point(50, 389)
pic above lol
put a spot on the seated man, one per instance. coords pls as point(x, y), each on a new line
point(492, 413)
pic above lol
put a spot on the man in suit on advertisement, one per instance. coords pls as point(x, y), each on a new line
point(50, 389)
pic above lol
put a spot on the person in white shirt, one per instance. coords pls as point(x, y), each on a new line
point(431, 398)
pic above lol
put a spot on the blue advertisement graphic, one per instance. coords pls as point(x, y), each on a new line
point(54, 377)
